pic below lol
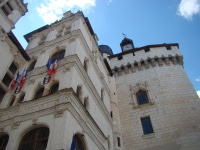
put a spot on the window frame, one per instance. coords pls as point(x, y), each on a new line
point(35, 140)
point(146, 96)
point(150, 127)
point(36, 93)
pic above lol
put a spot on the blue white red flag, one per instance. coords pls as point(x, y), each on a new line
point(23, 77)
point(49, 66)
point(47, 79)
point(54, 67)
point(12, 85)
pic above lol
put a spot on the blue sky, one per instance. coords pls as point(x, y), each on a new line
point(146, 22)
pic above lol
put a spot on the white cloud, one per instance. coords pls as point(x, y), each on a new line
point(198, 93)
point(54, 9)
point(188, 8)
point(198, 79)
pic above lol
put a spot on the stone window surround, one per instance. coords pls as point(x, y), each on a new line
point(143, 86)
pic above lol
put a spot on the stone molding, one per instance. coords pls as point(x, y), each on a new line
point(55, 104)
point(68, 62)
point(145, 64)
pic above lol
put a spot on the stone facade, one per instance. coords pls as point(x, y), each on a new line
point(96, 96)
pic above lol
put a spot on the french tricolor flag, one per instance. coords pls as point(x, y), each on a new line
point(23, 77)
point(54, 67)
point(12, 85)
point(49, 66)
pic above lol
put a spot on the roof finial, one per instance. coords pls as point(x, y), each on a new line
point(124, 35)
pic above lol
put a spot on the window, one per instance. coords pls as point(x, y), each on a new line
point(85, 65)
point(79, 92)
point(54, 88)
point(13, 68)
point(32, 65)
point(111, 114)
point(146, 125)
point(21, 98)
point(12, 101)
point(7, 9)
point(79, 142)
point(2, 93)
point(86, 102)
point(59, 55)
point(118, 142)
point(35, 140)
point(3, 142)
point(7, 80)
point(102, 94)
point(142, 97)
point(39, 93)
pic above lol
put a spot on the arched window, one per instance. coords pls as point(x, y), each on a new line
point(12, 101)
point(79, 142)
point(59, 55)
point(21, 98)
point(32, 65)
point(35, 140)
point(142, 97)
point(3, 142)
point(39, 93)
point(54, 88)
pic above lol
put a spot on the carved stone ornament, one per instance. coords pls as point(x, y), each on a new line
point(2, 35)
point(140, 86)
point(59, 113)
point(2, 129)
point(31, 81)
point(15, 125)
point(34, 121)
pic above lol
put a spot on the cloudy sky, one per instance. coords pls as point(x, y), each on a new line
point(146, 22)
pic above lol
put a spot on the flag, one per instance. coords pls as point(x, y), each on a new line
point(18, 89)
point(47, 79)
point(49, 66)
point(73, 145)
point(12, 85)
point(54, 67)
point(23, 77)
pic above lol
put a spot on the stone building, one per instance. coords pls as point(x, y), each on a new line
point(138, 99)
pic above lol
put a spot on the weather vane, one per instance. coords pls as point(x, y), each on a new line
point(124, 35)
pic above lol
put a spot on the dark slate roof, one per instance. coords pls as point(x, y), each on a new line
point(19, 46)
point(145, 48)
point(105, 49)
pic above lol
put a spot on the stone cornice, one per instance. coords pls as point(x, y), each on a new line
point(145, 64)
point(62, 100)
point(68, 62)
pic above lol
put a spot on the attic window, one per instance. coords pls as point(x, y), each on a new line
point(168, 47)
point(147, 49)
point(120, 57)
